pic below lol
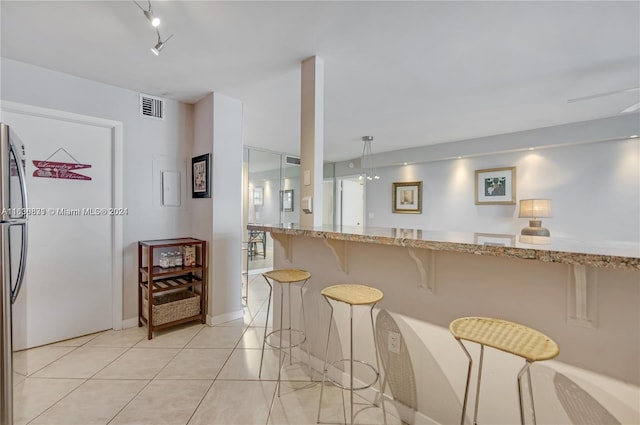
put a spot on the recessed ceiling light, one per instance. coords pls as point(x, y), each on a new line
point(532, 149)
point(406, 163)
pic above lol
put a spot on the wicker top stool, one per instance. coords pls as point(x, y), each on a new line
point(510, 337)
point(505, 336)
point(284, 277)
point(352, 295)
point(287, 275)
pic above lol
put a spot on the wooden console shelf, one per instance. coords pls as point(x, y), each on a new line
point(168, 296)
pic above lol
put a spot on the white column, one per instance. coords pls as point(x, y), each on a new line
point(312, 139)
point(218, 130)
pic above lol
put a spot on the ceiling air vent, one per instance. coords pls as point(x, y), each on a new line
point(292, 160)
point(151, 107)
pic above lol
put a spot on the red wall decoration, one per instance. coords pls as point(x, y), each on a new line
point(60, 170)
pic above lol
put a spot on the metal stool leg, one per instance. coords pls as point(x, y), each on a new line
point(475, 410)
point(375, 347)
point(290, 341)
point(304, 329)
point(266, 322)
point(466, 388)
point(533, 409)
point(351, 360)
point(280, 358)
point(525, 368)
point(326, 353)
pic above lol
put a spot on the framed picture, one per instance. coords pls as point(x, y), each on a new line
point(258, 196)
point(286, 200)
point(407, 198)
point(494, 239)
point(200, 176)
point(496, 186)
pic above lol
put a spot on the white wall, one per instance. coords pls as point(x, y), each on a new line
point(218, 219)
point(226, 187)
point(595, 190)
point(202, 208)
point(147, 141)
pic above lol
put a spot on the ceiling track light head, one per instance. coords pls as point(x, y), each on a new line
point(155, 21)
point(160, 44)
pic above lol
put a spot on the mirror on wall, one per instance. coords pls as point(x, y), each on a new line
point(262, 188)
point(272, 196)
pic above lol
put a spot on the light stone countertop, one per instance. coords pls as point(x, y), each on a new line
point(604, 254)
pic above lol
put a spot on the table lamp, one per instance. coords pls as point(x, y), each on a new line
point(535, 209)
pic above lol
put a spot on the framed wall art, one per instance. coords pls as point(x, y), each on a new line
point(201, 176)
point(407, 198)
point(494, 239)
point(286, 200)
point(258, 196)
point(496, 186)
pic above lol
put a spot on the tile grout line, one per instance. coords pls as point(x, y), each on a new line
point(152, 379)
point(244, 331)
point(74, 348)
point(128, 348)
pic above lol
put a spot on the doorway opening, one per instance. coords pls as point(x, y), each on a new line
point(350, 201)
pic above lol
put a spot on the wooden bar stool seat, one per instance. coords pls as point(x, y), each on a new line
point(510, 337)
point(352, 295)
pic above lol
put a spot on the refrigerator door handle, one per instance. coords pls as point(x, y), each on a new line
point(20, 161)
point(23, 262)
point(17, 153)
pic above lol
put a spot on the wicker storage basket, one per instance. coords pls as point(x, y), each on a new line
point(169, 307)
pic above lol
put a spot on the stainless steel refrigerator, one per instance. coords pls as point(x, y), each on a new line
point(13, 255)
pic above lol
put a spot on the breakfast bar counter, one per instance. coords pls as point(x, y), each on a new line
point(584, 295)
point(615, 255)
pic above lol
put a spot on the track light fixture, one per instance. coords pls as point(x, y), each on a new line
point(160, 44)
point(155, 21)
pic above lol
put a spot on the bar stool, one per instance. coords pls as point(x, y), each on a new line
point(509, 337)
point(352, 295)
point(284, 276)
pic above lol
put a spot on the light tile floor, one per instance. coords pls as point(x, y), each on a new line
point(193, 374)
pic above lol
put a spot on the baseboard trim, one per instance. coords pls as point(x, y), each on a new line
point(129, 323)
point(259, 271)
point(224, 318)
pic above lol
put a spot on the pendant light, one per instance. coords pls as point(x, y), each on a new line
point(366, 161)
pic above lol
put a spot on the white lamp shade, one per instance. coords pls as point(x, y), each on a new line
point(535, 208)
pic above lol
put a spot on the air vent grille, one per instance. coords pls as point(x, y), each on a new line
point(292, 160)
point(151, 107)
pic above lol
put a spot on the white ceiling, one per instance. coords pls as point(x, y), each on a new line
point(408, 73)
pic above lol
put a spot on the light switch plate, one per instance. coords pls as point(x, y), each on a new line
point(307, 177)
